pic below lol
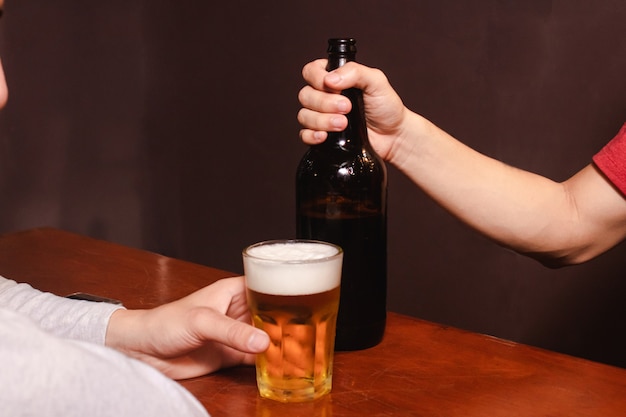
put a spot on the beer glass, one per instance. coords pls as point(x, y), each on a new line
point(293, 294)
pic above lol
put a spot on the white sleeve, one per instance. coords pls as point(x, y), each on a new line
point(81, 320)
point(45, 375)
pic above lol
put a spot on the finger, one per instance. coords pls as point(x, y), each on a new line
point(312, 137)
point(225, 295)
point(349, 75)
point(211, 325)
point(324, 102)
point(355, 75)
point(314, 73)
point(335, 81)
point(328, 122)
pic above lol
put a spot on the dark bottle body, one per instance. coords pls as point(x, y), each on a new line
point(341, 197)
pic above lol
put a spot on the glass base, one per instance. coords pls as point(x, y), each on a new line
point(293, 395)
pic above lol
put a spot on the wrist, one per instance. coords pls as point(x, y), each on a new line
point(412, 131)
point(120, 330)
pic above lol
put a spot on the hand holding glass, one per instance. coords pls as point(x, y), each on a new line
point(293, 294)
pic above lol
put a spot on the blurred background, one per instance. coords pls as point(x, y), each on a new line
point(171, 126)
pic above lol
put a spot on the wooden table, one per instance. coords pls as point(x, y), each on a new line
point(420, 369)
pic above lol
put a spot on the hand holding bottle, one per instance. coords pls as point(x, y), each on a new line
point(557, 223)
point(324, 109)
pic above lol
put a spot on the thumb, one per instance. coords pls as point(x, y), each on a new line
point(233, 333)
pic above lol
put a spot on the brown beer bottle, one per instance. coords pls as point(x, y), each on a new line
point(341, 197)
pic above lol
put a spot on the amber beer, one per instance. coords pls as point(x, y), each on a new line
point(293, 291)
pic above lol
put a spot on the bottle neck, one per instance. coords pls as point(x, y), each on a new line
point(336, 60)
point(354, 137)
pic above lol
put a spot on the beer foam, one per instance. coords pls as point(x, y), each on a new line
point(292, 268)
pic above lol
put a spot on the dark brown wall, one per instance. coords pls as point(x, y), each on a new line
point(171, 126)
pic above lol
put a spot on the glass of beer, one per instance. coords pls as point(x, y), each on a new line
point(293, 295)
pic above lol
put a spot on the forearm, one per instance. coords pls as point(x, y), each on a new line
point(44, 374)
point(518, 209)
point(81, 320)
point(556, 223)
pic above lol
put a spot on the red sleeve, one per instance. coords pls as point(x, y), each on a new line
point(611, 160)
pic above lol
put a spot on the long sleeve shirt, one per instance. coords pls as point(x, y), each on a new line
point(53, 363)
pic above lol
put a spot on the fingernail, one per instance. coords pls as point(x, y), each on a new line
point(319, 136)
point(336, 121)
point(342, 105)
point(259, 341)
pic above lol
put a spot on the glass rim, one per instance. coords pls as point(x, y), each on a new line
point(292, 261)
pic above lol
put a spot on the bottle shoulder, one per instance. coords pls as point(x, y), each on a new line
point(358, 168)
point(332, 158)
